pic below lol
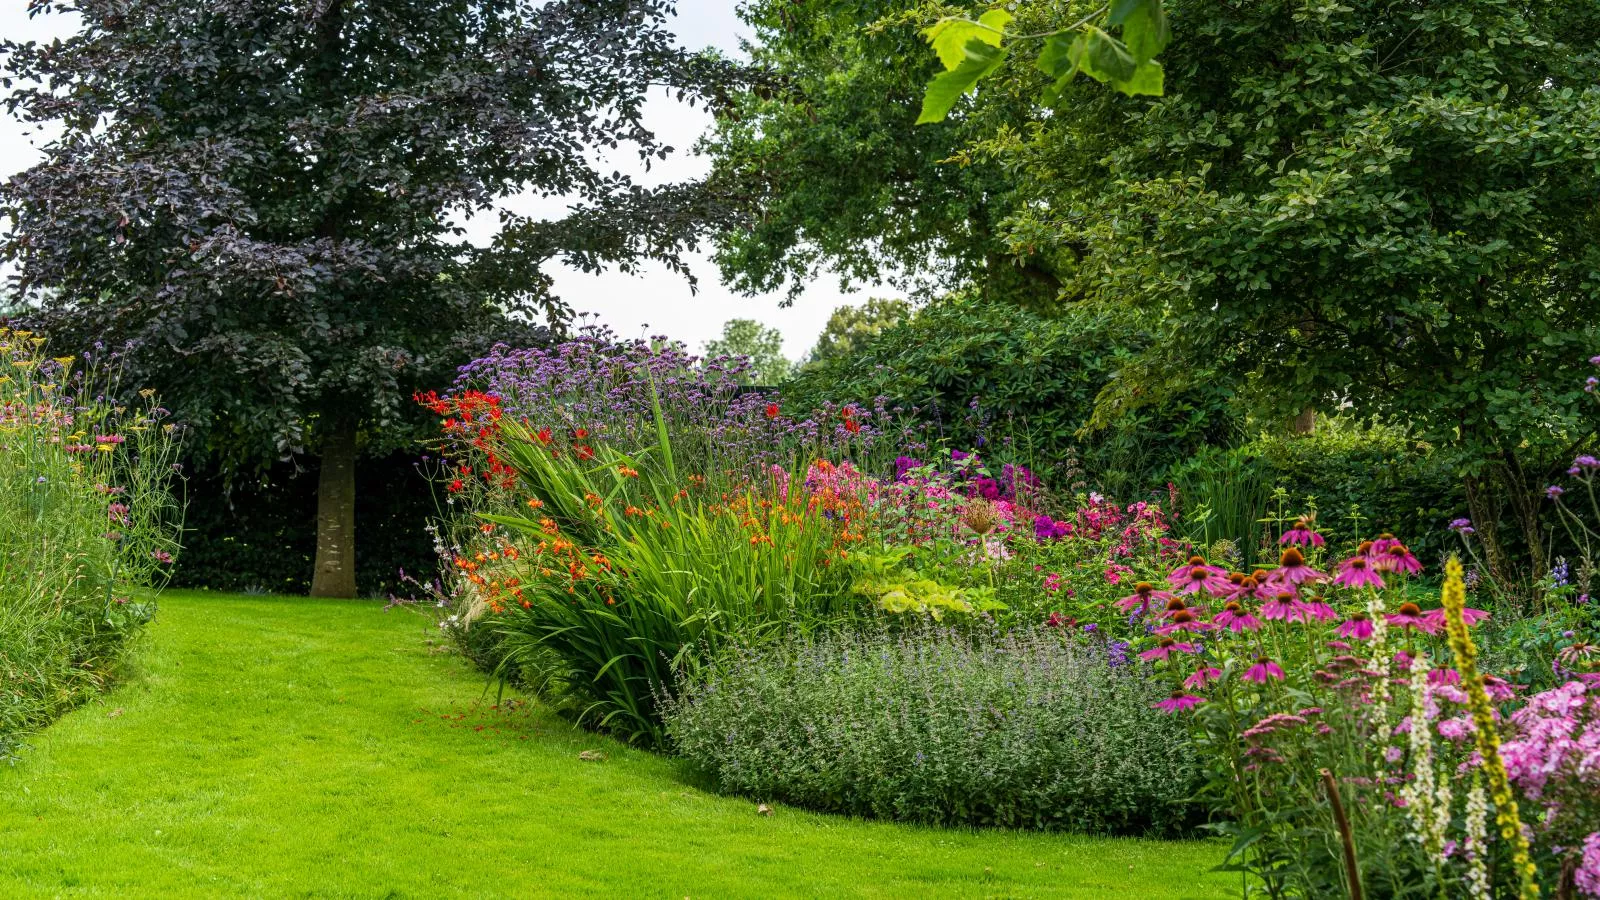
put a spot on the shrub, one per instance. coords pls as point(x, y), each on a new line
point(1031, 728)
point(1020, 387)
point(88, 520)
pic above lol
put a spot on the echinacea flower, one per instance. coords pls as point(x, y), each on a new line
point(1165, 647)
point(1143, 593)
point(1317, 608)
point(1178, 702)
point(1292, 568)
point(1264, 670)
point(1379, 546)
point(1358, 627)
point(1409, 615)
point(1468, 614)
point(1184, 574)
point(1184, 620)
point(1202, 677)
point(1205, 578)
point(1282, 608)
point(1302, 534)
point(1357, 572)
point(1235, 618)
point(1394, 557)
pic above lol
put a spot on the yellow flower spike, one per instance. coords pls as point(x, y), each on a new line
point(1507, 816)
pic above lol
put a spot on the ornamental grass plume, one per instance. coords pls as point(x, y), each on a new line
point(1488, 738)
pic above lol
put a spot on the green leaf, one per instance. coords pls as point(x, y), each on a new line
point(950, 37)
point(1105, 58)
point(1059, 59)
point(1148, 79)
point(948, 87)
point(1144, 28)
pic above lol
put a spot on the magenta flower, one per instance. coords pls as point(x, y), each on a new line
point(1292, 568)
point(1318, 609)
point(1184, 620)
point(1202, 677)
point(1357, 572)
point(1235, 618)
point(1263, 670)
point(1471, 616)
point(1282, 608)
point(1302, 534)
point(1410, 616)
point(1205, 578)
point(1395, 558)
point(1498, 689)
point(1143, 593)
point(1188, 577)
point(1379, 546)
point(1357, 628)
point(1178, 702)
point(1165, 647)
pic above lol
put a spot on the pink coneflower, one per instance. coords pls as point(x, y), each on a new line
point(1317, 608)
point(1282, 608)
point(1184, 620)
point(1202, 677)
point(1443, 676)
point(1196, 576)
point(1165, 647)
point(1143, 593)
point(1436, 617)
point(1235, 618)
point(1357, 572)
point(1292, 568)
point(1302, 534)
point(1178, 702)
point(1263, 670)
point(1357, 628)
point(1395, 558)
point(1379, 546)
point(1409, 615)
point(1498, 689)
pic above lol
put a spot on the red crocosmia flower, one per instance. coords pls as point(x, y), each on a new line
point(544, 436)
point(1264, 670)
point(852, 426)
point(1357, 572)
point(1409, 615)
point(1236, 619)
point(772, 410)
point(457, 486)
point(586, 452)
point(580, 433)
point(1178, 702)
point(1358, 627)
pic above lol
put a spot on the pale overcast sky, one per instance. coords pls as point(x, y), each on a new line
point(658, 298)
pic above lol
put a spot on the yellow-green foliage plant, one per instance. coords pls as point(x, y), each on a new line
point(89, 521)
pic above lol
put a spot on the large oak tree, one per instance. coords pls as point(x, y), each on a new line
point(266, 195)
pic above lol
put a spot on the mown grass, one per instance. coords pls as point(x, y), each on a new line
point(301, 748)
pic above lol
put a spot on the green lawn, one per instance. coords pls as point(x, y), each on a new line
point(288, 747)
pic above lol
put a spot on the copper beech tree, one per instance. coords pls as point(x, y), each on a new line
point(266, 197)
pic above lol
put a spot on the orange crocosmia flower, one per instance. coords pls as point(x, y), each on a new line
point(535, 503)
point(486, 527)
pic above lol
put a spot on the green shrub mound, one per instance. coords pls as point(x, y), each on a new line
point(1032, 729)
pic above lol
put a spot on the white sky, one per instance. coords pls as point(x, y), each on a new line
point(658, 299)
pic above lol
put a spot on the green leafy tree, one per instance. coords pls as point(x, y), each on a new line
point(265, 196)
point(763, 346)
point(839, 179)
point(851, 328)
point(1389, 207)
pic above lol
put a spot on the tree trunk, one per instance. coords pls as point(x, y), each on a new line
point(1305, 422)
point(1486, 519)
point(335, 574)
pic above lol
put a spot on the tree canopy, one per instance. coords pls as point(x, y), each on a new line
point(268, 196)
point(761, 344)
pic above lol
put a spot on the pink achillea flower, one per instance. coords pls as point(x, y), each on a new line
point(1236, 618)
point(1302, 534)
point(1178, 702)
point(1292, 568)
point(1202, 676)
point(1358, 628)
point(1263, 670)
point(1357, 572)
point(1409, 615)
point(1165, 647)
